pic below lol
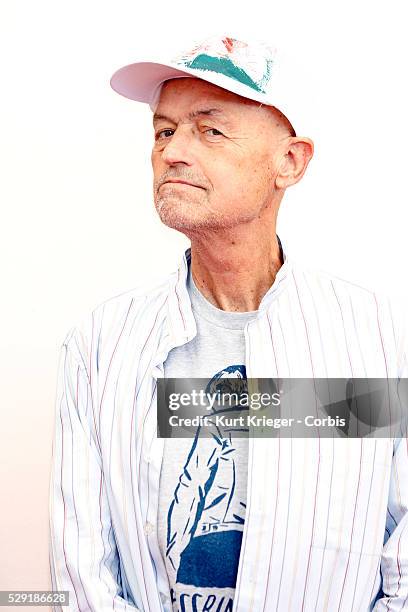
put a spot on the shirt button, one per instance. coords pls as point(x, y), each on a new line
point(163, 597)
point(148, 528)
point(148, 458)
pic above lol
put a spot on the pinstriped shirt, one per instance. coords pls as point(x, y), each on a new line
point(327, 519)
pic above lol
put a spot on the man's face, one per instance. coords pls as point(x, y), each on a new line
point(225, 147)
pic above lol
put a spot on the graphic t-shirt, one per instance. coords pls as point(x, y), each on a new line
point(202, 494)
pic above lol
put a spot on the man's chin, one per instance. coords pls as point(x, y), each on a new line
point(179, 218)
point(186, 218)
point(182, 223)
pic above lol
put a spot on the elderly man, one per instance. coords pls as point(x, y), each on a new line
point(143, 523)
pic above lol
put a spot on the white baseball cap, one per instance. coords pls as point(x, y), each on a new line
point(254, 70)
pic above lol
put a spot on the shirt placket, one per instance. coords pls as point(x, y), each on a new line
point(153, 448)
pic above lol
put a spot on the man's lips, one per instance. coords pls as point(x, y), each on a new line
point(181, 182)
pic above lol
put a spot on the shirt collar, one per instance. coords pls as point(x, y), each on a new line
point(182, 322)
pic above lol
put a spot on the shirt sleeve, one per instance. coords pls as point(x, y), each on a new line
point(394, 559)
point(84, 558)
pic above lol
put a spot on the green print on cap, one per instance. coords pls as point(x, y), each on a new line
point(225, 66)
point(249, 65)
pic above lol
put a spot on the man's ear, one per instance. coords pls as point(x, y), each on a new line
point(295, 161)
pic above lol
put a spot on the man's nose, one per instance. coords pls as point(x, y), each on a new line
point(179, 148)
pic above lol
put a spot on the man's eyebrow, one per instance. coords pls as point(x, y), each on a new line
point(206, 112)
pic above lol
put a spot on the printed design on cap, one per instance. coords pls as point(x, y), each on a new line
point(250, 65)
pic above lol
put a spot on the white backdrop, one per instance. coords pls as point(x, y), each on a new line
point(78, 222)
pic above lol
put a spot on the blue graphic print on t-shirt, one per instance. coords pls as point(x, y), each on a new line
point(205, 519)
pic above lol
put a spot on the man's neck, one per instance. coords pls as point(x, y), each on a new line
point(234, 270)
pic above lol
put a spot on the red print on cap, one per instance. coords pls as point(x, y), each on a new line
point(229, 43)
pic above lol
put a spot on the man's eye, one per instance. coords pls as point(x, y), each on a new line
point(216, 132)
point(164, 133)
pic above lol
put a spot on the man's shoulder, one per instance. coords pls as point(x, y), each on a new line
point(328, 280)
point(147, 291)
point(381, 308)
point(109, 317)
point(338, 289)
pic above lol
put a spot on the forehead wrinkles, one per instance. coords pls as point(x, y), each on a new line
point(201, 111)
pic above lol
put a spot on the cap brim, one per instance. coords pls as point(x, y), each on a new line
point(141, 80)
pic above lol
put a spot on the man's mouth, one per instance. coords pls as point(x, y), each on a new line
point(181, 182)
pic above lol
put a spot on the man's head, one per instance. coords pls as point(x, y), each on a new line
point(217, 127)
point(237, 155)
